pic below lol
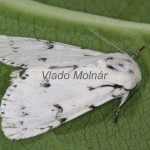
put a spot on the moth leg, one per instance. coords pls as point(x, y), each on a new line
point(115, 114)
point(124, 99)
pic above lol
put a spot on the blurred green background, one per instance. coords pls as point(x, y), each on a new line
point(126, 24)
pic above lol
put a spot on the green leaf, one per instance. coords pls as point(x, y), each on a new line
point(68, 22)
point(136, 10)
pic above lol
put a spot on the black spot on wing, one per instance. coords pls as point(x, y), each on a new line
point(75, 67)
point(45, 84)
point(22, 107)
point(42, 128)
point(57, 67)
point(25, 114)
point(49, 44)
point(15, 51)
point(115, 86)
point(22, 65)
point(91, 88)
point(21, 122)
point(112, 85)
point(22, 72)
point(131, 71)
point(22, 75)
point(11, 42)
point(23, 78)
point(59, 107)
point(53, 67)
point(42, 59)
point(50, 127)
point(15, 86)
point(109, 58)
point(107, 85)
point(111, 67)
point(24, 128)
point(15, 47)
point(4, 99)
point(87, 55)
point(92, 107)
point(128, 60)
point(63, 120)
point(120, 64)
point(114, 96)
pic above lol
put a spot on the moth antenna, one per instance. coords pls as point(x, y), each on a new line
point(135, 54)
point(102, 38)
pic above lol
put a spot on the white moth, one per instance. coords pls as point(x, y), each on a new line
point(33, 105)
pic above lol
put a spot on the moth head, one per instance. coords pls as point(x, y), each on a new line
point(120, 62)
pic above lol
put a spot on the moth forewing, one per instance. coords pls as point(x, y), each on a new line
point(59, 82)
